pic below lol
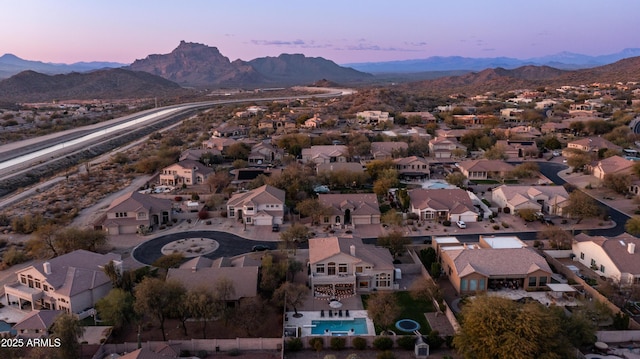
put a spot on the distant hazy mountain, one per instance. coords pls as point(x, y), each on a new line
point(500, 79)
point(30, 86)
point(563, 60)
point(11, 64)
point(198, 65)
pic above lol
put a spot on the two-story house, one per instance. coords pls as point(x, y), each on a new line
point(72, 282)
point(412, 168)
point(615, 258)
point(340, 267)
point(262, 206)
point(186, 172)
point(136, 211)
point(444, 147)
point(373, 117)
point(265, 153)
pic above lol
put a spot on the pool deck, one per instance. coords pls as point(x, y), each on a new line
point(304, 322)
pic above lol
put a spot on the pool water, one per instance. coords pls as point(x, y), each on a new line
point(340, 327)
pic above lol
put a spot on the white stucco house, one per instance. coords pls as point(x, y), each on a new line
point(616, 257)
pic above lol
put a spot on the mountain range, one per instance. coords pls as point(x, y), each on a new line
point(562, 60)
point(198, 66)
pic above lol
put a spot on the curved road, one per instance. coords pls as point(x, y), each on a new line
point(232, 245)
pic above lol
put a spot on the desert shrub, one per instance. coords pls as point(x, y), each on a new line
point(338, 343)
point(316, 342)
point(353, 355)
point(359, 343)
point(203, 214)
point(505, 224)
point(506, 210)
point(387, 354)
point(293, 345)
point(446, 223)
point(406, 342)
point(383, 343)
point(434, 340)
point(496, 227)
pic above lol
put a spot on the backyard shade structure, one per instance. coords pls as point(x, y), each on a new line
point(561, 290)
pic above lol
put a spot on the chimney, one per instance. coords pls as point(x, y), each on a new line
point(352, 250)
point(47, 267)
point(631, 248)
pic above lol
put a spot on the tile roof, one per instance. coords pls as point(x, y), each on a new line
point(133, 201)
point(455, 200)
point(594, 143)
point(483, 165)
point(144, 353)
point(497, 262)
point(38, 319)
point(614, 164)
point(78, 271)
point(358, 203)
point(326, 247)
point(263, 194)
point(617, 248)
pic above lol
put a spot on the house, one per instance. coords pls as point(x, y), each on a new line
point(476, 270)
point(325, 154)
point(425, 117)
point(522, 133)
point(263, 206)
point(612, 165)
point(226, 130)
point(484, 169)
point(615, 257)
point(444, 147)
point(554, 127)
point(546, 199)
point(202, 272)
point(442, 205)
point(412, 168)
point(72, 282)
point(373, 117)
point(518, 149)
point(351, 208)
point(145, 353)
point(340, 267)
point(385, 150)
point(593, 144)
point(185, 172)
point(135, 211)
point(218, 143)
point(36, 324)
point(265, 153)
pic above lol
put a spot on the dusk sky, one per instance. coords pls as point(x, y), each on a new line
point(66, 31)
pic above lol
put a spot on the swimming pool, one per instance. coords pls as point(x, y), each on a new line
point(340, 327)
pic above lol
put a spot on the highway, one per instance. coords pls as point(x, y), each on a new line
point(18, 157)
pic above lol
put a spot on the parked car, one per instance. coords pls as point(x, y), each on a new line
point(259, 248)
point(461, 224)
point(275, 227)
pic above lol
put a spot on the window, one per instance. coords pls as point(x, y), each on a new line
point(543, 281)
point(342, 268)
point(532, 281)
point(481, 284)
point(45, 287)
point(23, 279)
point(593, 262)
point(248, 219)
point(232, 212)
point(363, 284)
point(249, 208)
point(359, 269)
point(473, 284)
point(319, 268)
point(601, 268)
point(142, 215)
point(325, 219)
point(581, 255)
point(37, 284)
point(463, 285)
point(331, 268)
point(383, 280)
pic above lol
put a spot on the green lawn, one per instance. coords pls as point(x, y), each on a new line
point(410, 309)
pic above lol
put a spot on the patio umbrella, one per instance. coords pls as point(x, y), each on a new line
point(335, 304)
